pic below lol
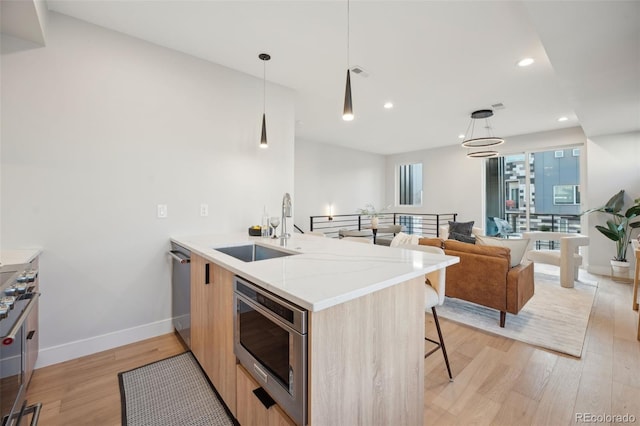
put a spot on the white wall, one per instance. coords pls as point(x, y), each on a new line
point(454, 183)
point(451, 182)
point(327, 174)
point(613, 163)
point(97, 129)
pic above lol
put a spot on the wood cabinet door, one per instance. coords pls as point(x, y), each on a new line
point(250, 409)
point(212, 326)
point(201, 312)
point(223, 364)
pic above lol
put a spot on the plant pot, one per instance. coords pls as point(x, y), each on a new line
point(374, 222)
point(619, 270)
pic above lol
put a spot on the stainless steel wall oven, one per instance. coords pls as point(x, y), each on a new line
point(270, 340)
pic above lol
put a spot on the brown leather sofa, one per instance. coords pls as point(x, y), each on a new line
point(484, 276)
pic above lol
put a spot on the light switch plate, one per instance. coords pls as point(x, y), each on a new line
point(204, 210)
point(162, 211)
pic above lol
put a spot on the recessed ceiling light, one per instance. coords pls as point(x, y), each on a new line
point(525, 62)
point(563, 119)
point(388, 105)
point(460, 136)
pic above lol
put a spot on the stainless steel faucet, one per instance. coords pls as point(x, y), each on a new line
point(286, 212)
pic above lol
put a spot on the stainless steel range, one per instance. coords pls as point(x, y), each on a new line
point(18, 299)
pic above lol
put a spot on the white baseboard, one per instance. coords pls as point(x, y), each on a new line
point(79, 348)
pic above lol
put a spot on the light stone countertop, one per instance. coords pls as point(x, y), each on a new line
point(18, 256)
point(325, 271)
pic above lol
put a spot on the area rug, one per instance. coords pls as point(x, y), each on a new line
point(171, 392)
point(554, 318)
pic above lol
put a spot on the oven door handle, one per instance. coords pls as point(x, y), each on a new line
point(10, 337)
point(179, 256)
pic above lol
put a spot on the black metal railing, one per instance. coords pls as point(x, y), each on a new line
point(425, 224)
point(552, 222)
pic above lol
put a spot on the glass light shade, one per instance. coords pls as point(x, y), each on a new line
point(347, 112)
point(263, 138)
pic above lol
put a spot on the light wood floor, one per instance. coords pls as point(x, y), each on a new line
point(504, 382)
point(85, 391)
point(497, 380)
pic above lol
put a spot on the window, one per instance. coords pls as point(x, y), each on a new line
point(558, 154)
point(576, 152)
point(566, 194)
point(410, 184)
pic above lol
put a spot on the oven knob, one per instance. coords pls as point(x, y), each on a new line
point(3, 309)
point(8, 301)
point(10, 291)
point(21, 288)
point(31, 275)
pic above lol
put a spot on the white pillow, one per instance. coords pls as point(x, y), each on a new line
point(401, 239)
point(518, 246)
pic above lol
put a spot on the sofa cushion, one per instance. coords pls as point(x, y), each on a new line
point(443, 231)
point(435, 242)
point(469, 239)
point(463, 228)
point(518, 246)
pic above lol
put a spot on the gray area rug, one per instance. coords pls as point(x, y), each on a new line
point(171, 392)
point(554, 318)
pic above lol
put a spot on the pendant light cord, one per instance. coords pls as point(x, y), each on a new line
point(264, 87)
point(348, 31)
point(488, 127)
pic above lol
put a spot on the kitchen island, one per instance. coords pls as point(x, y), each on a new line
point(365, 308)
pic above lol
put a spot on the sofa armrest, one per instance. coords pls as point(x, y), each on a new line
point(520, 287)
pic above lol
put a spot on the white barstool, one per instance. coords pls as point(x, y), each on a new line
point(434, 296)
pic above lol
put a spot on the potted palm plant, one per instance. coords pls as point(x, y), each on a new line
point(619, 227)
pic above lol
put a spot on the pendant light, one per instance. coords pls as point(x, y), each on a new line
point(264, 57)
point(476, 145)
point(347, 112)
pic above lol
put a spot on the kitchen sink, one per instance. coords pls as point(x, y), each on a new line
point(252, 252)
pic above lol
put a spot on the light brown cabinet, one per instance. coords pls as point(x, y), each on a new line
point(251, 411)
point(212, 326)
point(388, 391)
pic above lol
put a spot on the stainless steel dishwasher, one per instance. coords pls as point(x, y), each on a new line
point(181, 291)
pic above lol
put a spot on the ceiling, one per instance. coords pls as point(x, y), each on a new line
point(437, 61)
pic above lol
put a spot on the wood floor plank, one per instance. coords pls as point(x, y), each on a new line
point(626, 362)
point(499, 382)
point(517, 409)
point(595, 388)
point(625, 402)
point(557, 403)
point(535, 375)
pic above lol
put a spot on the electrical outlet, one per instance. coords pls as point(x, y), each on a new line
point(162, 211)
point(204, 210)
